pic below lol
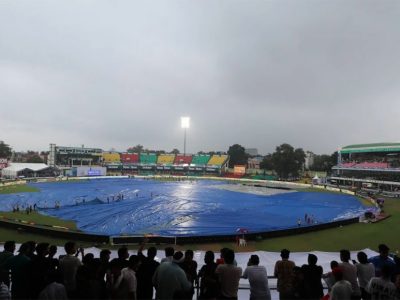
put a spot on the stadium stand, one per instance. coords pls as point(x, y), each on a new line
point(217, 160)
point(200, 159)
point(148, 158)
point(111, 157)
point(166, 159)
point(129, 158)
point(183, 159)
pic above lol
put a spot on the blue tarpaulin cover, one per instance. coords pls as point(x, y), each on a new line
point(181, 208)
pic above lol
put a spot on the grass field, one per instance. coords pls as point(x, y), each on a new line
point(18, 188)
point(354, 237)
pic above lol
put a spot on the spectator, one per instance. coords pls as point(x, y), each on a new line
point(170, 280)
point(39, 268)
point(145, 274)
point(69, 265)
point(54, 290)
point(54, 263)
point(382, 259)
point(298, 284)
point(312, 278)
point(190, 267)
point(329, 278)
point(258, 279)
point(126, 282)
point(228, 276)
point(349, 273)
point(104, 263)
point(381, 287)
point(208, 278)
point(84, 276)
point(284, 273)
point(365, 271)
point(9, 249)
point(123, 255)
point(169, 253)
point(4, 291)
point(19, 266)
point(341, 290)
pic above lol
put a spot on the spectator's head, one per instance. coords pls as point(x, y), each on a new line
point(178, 257)
point(24, 249)
point(362, 257)
point(189, 255)
point(105, 255)
point(344, 255)
point(209, 257)
point(42, 249)
point(229, 257)
point(222, 252)
point(383, 250)
point(52, 250)
point(32, 247)
point(337, 273)
point(285, 253)
point(151, 252)
point(312, 259)
point(169, 251)
point(70, 248)
point(133, 262)
point(9, 246)
point(386, 271)
point(254, 260)
point(88, 258)
point(54, 276)
point(123, 253)
point(334, 264)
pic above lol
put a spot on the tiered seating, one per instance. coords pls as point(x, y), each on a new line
point(200, 159)
point(129, 158)
point(148, 158)
point(217, 160)
point(372, 165)
point(166, 159)
point(347, 165)
point(111, 157)
point(183, 159)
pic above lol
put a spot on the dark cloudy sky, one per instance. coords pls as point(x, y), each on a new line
point(111, 74)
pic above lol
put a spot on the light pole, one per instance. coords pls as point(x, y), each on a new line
point(185, 124)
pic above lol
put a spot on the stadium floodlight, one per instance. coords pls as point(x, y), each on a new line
point(185, 124)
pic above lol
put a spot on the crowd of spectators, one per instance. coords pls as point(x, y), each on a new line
point(36, 273)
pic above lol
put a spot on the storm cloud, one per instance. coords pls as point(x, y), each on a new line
point(112, 74)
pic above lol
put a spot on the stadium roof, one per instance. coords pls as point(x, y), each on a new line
point(367, 148)
point(16, 167)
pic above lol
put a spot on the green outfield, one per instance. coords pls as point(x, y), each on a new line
point(17, 188)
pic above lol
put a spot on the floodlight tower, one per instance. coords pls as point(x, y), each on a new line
point(185, 124)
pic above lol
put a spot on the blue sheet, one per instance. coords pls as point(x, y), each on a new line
point(139, 206)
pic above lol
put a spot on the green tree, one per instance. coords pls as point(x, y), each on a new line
point(266, 163)
point(237, 155)
point(136, 149)
point(34, 159)
point(5, 150)
point(175, 151)
point(287, 161)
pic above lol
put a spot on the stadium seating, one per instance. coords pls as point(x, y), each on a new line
point(183, 159)
point(166, 159)
point(372, 165)
point(200, 159)
point(148, 158)
point(129, 158)
point(217, 160)
point(111, 157)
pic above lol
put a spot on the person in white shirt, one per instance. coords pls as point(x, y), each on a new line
point(53, 290)
point(126, 282)
point(229, 276)
point(382, 288)
point(349, 273)
point(341, 290)
point(365, 271)
point(69, 265)
point(258, 279)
